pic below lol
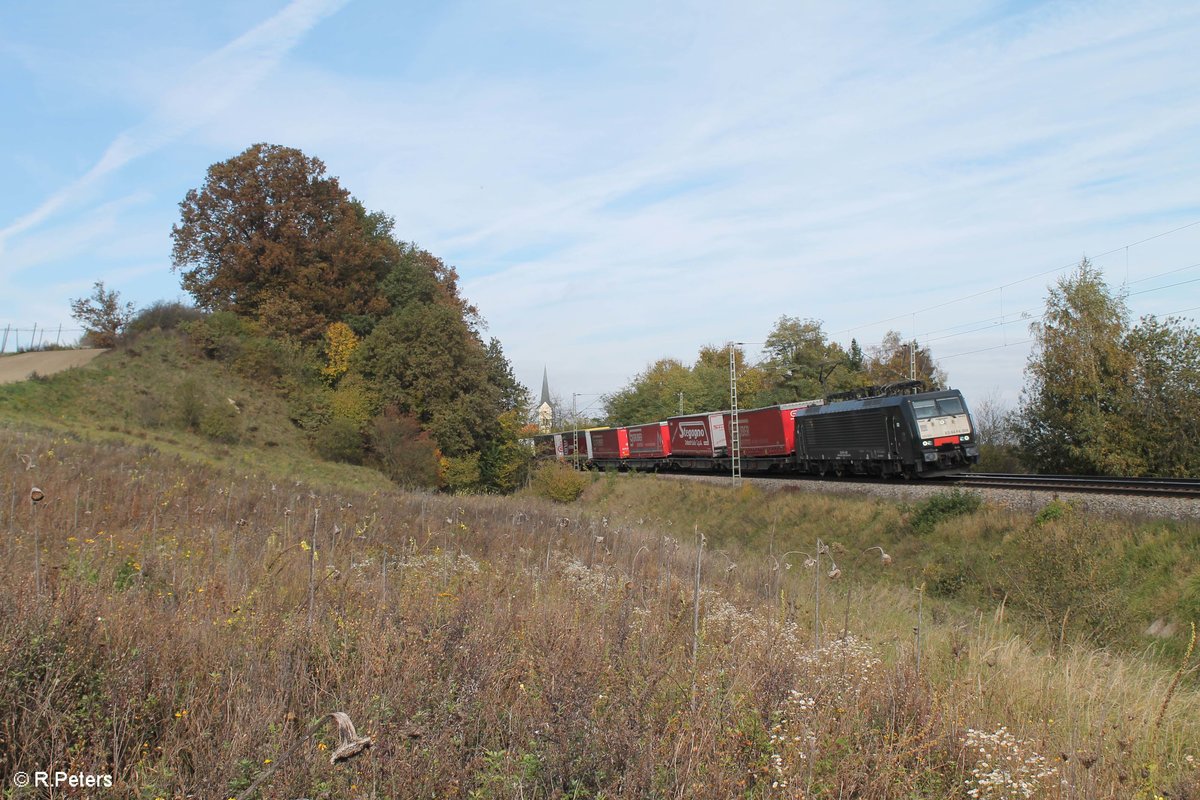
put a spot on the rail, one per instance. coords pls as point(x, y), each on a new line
point(1157, 487)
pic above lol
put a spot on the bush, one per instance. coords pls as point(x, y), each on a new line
point(461, 473)
point(1055, 509)
point(190, 404)
point(164, 316)
point(1066, 573)
point(221, 424)
point(220, 335)
point(402, 451)
point(558, 482)
point(339, 440)
point(942, 506)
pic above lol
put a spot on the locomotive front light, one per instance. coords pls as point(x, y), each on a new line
point(964, 438)
point(926, 443)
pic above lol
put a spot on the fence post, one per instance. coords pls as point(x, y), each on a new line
point(4, 344)
point(33, 338)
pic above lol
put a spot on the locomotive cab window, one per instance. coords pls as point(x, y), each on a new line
point(950, 405)
point(924, 409)
point(941, 407)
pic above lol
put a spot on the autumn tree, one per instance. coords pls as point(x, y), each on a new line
point(895, 360)
point(282, 247)
point(102, 315)
point(340, 344)
point(271, 237)
point(1074, 414)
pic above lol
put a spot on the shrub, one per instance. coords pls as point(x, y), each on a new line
point(339, 440)
point(189, 401)
point(402, 451)
point(1055, 509)
point(162, 315)
point(221, 424)
point(461, 473)
point(1066, 573)
point(941, 506)
point(219, 335)
point(558, 482)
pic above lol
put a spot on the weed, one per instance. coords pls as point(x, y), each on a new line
point(943, 506)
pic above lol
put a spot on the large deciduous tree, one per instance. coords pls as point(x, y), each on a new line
point(270, 236)
point(801, 363)
point(1074, 414)
point(895, 360)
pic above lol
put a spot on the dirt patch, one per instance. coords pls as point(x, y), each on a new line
point(20, 366)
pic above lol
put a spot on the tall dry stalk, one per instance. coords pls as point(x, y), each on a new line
point(35, 497)
point(312, 565)
point(696, 611)
point(1187, 655)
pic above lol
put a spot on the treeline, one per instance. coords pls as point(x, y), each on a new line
point(1102, 395)
point(799, 363)
point(380, 356)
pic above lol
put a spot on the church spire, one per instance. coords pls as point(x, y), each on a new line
point(545, 387)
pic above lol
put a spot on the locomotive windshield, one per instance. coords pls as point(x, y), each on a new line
point(941, 407)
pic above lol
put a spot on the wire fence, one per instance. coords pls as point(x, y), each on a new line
point(18, 340)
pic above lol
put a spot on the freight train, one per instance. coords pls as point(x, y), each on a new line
point(884, 431)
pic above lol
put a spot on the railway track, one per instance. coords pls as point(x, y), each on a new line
point(1143, 487)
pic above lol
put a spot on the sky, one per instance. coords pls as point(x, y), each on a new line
point(620, 182)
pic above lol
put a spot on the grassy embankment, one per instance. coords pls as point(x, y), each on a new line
point(178, 619)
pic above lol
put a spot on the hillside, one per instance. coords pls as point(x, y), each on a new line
point(158, 390)
point(182, 609)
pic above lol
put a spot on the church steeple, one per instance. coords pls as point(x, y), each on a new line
point(545, 410)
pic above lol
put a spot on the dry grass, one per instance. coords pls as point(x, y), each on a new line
point(506, 648)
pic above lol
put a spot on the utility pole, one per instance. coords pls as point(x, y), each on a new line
point(912, 360)
point(735, 443)
point(575, 425)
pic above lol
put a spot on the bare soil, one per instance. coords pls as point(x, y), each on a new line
point(19, 367)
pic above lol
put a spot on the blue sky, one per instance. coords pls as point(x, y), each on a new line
point(618, 182)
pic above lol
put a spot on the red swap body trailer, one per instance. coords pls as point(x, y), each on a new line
point(649, 441)
point(768, 432)
point(697, 435)
point(609, 444)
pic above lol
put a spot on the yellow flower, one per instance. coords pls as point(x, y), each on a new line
point(266, 761)
point(304, 545)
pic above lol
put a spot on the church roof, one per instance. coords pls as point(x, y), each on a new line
point(545, 388)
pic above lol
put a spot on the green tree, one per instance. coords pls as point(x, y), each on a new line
point(425, 360)
point(800, 363)
point(1074, 413)
point(1165, 403)
point(514, 396)
point(102, 315)
point(270, 237)
point(710, 380)
point(652, 395)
